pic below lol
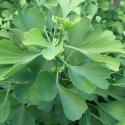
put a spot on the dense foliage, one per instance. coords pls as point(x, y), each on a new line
point(62, 62)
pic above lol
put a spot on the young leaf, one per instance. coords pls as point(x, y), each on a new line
point(68, 5)
point(97, 77)
point(4, 110)
point(10, 52)
point(67, 24)
point(46, 86)
point(34, 38)
point(73, 104)
point(54, 50)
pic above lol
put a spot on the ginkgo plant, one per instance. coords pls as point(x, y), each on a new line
point(61, 63)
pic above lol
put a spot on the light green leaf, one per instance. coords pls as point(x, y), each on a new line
point(73, 104)
point(92, 9)
point(51, 3)
point(68, 24)
point(91, 36)
point(94, 73)
point(4, 110)
point(32, 18)
point(114, 108)
point(50, 52)
point(34, 38)
point(105, 61)
point(10, 52)
point(81, 82)
point(22, 3)
point(68, 5)
point(4, 33)
point(46, 86)
point(104, 43)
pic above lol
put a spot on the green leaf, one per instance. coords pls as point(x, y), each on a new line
point(34, 38)
point(68, 24)
point(92, 9)
point(27, 93)
point(91, 36)
point(117, 92)
point(22, 3)
point(17, 22)
point(32, 18)
point(46, 106)
point(105, 61)
point(68, 5)
point(4, 33)
point(54, 50)
point(19, 34)
point(73, 104)
point(51, 3)
point(4, 110)
point(104, 43)
point(81, 82)
point(46, 86)
point(77, 33)
point(10, 52)
point(7, 72)
point(114, 108)
point(22, 117)
point(98, 77)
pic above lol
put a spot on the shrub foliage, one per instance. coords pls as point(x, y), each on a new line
point(62, 62)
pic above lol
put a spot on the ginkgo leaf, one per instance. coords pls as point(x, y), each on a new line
point(27, 93)
point(4, 110)
point(68, 5)
point(105, 61)
point(46, 86)
point(22, 117)
point(50, 52)
point(114, 108)
point(7, 72)
point(77, 33)
point(68, 24)
point(34, 38)
point(93, 73)
point(81, 82)
point(73, 104)
point(32, 18)
point(105, 43)
point(8, 51)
